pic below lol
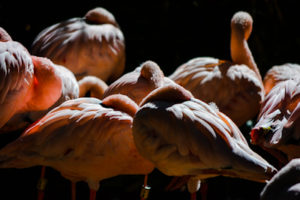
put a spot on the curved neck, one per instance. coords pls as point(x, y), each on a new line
point(92, 85)
point(240, 52)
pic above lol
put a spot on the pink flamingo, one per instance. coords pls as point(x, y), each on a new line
point(235, 87)
point(139, 83)
point(279, 73)
point(284, 184)
point(182, 135)
point(92, 45)
point(277, 129)
point(85, 139)
point(30, 85)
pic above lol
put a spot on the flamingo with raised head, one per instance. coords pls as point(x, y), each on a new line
point(183, 135)
point(235, 87)
point(91, 45)
point(85, 139)
point(139, 83)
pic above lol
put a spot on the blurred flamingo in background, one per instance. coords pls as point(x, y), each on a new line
point(182, 135)
point(29, 86)
point(91, 86)
point(92, 45)
point(85, 139)
point(236, 87)
point(285, 184)
point(278, 126)
point(139, 83)
point(281, 73)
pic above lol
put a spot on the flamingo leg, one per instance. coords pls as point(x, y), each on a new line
point(73, 190)
point(93, 194)
point(194, 196)
point(145, 189)
point(42, 184)
point(203, 190)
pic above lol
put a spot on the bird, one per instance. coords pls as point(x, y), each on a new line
point(85, 139)
point(279, 73)
point(183, 135)
point(140, 82)
point(30, 86)
point(89, 45)
point(91, 86)
point(285, 184)
point(234, 86)
point(278, 125)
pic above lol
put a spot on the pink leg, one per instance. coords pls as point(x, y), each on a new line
point(203, 190)
point(73, 190)
point(145, 189)
point(42, 184)
point(92, 194)
point(193, 196)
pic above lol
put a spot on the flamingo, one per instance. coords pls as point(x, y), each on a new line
point(285, 184)
point(29, 85)
point(140, 82)
point(235, 87)
point(92, 45)
point(279, 73)
point(85, 139)
point(91, 86)
point(278, 126)
point(183, 135)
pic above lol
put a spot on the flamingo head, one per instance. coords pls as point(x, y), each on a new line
point(121, 103)
point(100, 16)
point(242, 23)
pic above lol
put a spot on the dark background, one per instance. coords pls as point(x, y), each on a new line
point(169, 33)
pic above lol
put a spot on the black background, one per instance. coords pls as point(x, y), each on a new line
point(169, 33)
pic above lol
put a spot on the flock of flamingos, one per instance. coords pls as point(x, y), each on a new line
point(78, 113)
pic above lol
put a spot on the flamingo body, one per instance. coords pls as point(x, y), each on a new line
point(279, 73)
point(92, 45)
point(138, 83)
point(234, 86)
point(285, 184)
point(85, 139)
point(279, 120)
point(182, 135)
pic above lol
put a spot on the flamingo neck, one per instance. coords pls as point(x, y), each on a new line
point(240, 52)
point(95, 86)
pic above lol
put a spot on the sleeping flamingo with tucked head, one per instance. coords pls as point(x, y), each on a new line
point(182, 135)
point(92, 45)
point(29, 85)
point(140, 82)
point(278, 126)
point(86, 139)
point(235, 87)
point(285, 184)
